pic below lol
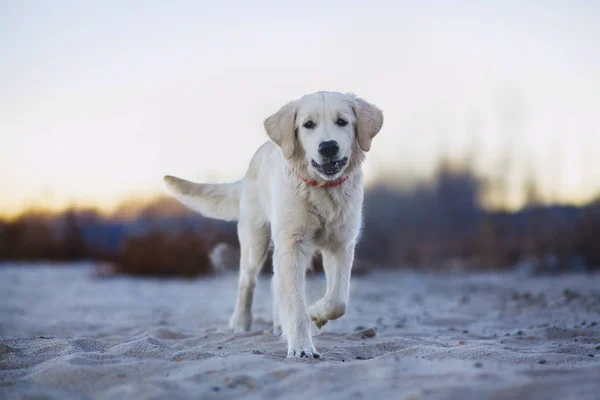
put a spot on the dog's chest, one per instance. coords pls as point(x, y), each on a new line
point(334, 214)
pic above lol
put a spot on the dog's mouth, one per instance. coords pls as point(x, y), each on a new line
point(330, 168)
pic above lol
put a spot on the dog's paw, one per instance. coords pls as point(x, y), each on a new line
point(306, 352)
point(319, 322)
point(240, 323)
point(325, 310)
point(316, 316)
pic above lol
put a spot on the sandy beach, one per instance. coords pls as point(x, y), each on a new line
point(66, 334)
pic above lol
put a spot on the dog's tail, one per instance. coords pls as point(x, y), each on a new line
point(221, 201)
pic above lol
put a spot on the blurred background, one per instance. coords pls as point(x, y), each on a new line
point(488, 158)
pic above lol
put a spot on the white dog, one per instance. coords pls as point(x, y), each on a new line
point(305, 192)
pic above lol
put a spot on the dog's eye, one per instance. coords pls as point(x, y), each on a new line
point(341, 122)
point(309, 125)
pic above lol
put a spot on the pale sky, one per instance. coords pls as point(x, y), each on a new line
point(99, 100)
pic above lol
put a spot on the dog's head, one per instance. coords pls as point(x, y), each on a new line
point(326, 132)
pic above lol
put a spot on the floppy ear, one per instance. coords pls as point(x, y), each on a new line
point(281, 128)
point(369, 120)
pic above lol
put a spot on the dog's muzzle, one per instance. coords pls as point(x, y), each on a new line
point(330, 168)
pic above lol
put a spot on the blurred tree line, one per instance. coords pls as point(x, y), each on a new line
point(442, 224)
point(436, 225)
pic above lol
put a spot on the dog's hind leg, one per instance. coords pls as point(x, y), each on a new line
point(254, 243)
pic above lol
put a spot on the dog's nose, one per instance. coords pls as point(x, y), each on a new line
point(329, 148)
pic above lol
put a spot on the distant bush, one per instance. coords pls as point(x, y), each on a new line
point(162, 255)
point(38, 237)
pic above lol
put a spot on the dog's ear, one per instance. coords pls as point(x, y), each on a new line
point(281, 128)
point(369, 120)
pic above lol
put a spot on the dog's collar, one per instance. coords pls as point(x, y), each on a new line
point(314, 183)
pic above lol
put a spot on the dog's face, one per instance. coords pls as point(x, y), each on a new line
point(324, 129)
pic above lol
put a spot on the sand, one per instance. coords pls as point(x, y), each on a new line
point(65, 334)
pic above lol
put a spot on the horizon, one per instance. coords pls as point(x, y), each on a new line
point(100, 101)
point(128, 209)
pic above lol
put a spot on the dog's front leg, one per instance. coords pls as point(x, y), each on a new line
point(337, 263)
point(291, 259)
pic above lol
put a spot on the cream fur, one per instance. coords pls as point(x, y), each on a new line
point(274, 204)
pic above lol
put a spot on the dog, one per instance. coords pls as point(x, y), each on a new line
point(303, 191)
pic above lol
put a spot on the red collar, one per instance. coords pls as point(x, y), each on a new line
point(314, 183)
